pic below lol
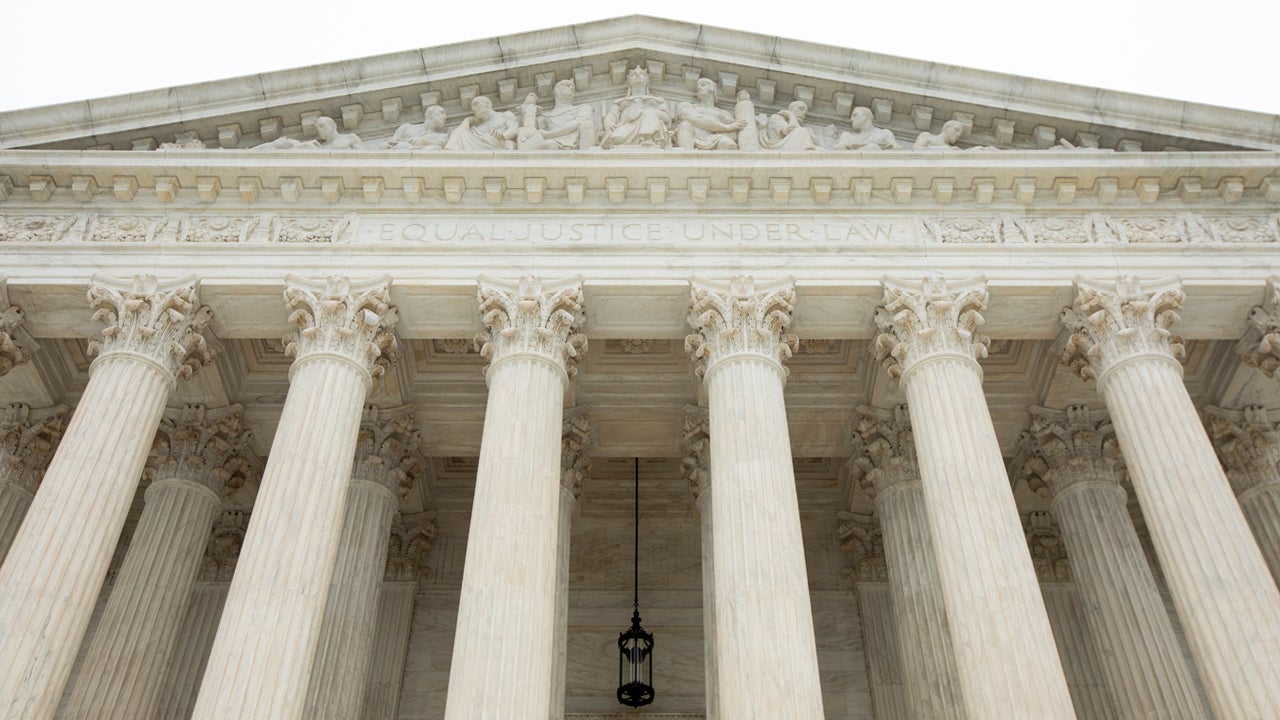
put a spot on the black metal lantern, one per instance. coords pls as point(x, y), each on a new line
point(635, 646)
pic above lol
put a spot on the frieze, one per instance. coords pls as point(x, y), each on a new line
point(357, 229)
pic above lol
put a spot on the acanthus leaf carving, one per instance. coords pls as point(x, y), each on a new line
point(860, 536)
point(225, 541)
point(695, 437)
point(28, 439)
point(1261, 345)
point(531, 317)
point(1111, 322)
point(335, 316)
point(1048, 554)
point(575, 437)
point(740, 317)
point(409, 546)
point(1248, 443)
point(1067, 447)
point(16, 345)
point(209, 446)
point(922, 319)
point(884, 450)
point(389, 449)
point(161, 321)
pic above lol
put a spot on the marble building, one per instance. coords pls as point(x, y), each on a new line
point(952, 394)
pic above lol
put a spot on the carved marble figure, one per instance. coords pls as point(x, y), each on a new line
point(785, 130)
point(327, 138)
point(429, 135)
point(864, 135)
point(484, 129)
point(637, 119)
point(703, 126)
point(564, 127)
point(945, 140)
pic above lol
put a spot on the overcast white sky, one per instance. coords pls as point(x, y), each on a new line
point(1221, 53)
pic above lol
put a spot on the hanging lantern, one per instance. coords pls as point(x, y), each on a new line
point(635, 646)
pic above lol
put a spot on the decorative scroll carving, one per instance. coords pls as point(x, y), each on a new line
point(740, 317)
point(209, 446)
point(528, 317)
point(576, 436)
point(1048, 555)
point(18, 228)
point(312, 230)
point(636, 346)
point(16, 345)
point(409, 546)
point(1111, 322)
point(860, 536)
point(1067, 447)
point(224, 545)
point(28, 438)
point(884, 450)
point(337, 316)
point(1261, 346)
point(695, 465)
point(388, 449)
point(1248, 442)
point(162, 321)
point(920, 319)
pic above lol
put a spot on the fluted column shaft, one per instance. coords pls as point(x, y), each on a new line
point(182, 680)
point(880, 639)
point(1144, 669)
point(346, 640)
point(14, 501)
point(135, 640)
point(1261, 506)
point(561, 637)
point(710, 650)
point(1226, 597)
point(391, 640)
point(1248, 442)
point(758, 550)
point(58, 561)
point(928, 662)
point(506, 614)
point(261, 661)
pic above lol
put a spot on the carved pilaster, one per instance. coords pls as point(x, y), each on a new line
point(531, 317)
point(28, 438)
point(884, 451)
point(163, 322)
point(388, 449)
point(740, 317)
point(576, 436)
point(208, 446)
point(1048, 554)
point(1113, 322)
point(1261, 345)
point(925, 319)
point(16, 345)
point(338, 317)
point(861, 538)
point(1248, 442)
point(695, 465)
point(409, 546)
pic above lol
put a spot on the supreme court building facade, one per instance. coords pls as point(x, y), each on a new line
point(954, 394)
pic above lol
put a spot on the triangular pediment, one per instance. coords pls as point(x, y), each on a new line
point(371, 97)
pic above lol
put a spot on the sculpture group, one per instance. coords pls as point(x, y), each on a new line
point(639, 120)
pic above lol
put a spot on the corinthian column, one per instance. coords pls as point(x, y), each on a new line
point(196, 452)
point(696, 466)
point(1248, 443)
point(406, 564)
point(1003, 643)
point(761, 586)
point(1071, 453)
point(1226, 598)
point(27, 441)
point(387, 466)
point(575, 466)
point(503, 655)
point(260, 664)
point(884, 460)
point(16, 345)
point(58, 561)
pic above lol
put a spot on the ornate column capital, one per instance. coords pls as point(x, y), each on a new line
point(209, 446)
point(695, 438)
point(1065, 448)
point(531, 317)
point(1112, 322)
point(1048, 554)
point(410, 542)
point(740, 317)
point(1248, 442)
point(28, 438)
point(930, 318)
point(225, 541)
point(339, 318)
point(1261, 344)
point(16, 345)
point(860, 536)
point(388, 449)
point(163, 322)
point(884, 450)
point(576, 435)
